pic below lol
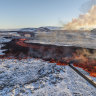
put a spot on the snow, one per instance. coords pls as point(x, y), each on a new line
point(2, 40)
point(87, 74)
point(33, 77)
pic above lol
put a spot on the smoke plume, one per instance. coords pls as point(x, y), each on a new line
point(84, 21)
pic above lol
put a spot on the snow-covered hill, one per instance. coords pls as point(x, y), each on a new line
point(41, 29)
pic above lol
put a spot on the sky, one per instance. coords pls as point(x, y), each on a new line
point(37, 13)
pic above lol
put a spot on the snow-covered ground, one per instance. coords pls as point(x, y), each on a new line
point(87, 74)
point(33, 77)
point(2, 39)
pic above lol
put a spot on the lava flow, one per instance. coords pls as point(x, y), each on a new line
point(62, 55)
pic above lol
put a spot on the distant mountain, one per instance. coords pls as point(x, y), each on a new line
point(27, 29)
point(40, 29)
point(54, 28)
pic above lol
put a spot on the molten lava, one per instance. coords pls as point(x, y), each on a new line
point(61, 55)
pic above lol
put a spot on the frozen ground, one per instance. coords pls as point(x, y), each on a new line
point(38, 78)
point(33, 77)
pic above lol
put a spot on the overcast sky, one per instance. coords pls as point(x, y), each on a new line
point(36, 13)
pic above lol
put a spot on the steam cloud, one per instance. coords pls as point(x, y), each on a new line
point(84, 21)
